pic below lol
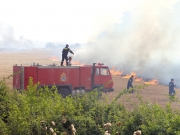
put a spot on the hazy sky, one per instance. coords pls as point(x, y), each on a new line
point(79, 21)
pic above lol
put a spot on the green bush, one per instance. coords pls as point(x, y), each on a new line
point(45, 112)
point(4, 107)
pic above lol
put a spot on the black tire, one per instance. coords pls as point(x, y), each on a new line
point(64, 92)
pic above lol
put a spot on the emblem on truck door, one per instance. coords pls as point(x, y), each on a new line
point(63, 77)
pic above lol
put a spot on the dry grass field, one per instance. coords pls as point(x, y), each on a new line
point(153, 93)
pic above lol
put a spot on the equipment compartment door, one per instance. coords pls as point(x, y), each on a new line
point(97, 76)
point(30, 72)
point(85, 77)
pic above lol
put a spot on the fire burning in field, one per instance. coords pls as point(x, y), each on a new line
point(117, 72)
point(76, 63)
point(54, 58)
point(152, 82)
point(135, 77)
point(129, 75)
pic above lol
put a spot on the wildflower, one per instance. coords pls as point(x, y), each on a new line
point(73, 129)
point(72, 126)
point(138, 132)
point(107, 133)
point(52, 130)
point(107, 125)
point(64, 120)
point(54, 133)
point(66, 123)
point(53, 123)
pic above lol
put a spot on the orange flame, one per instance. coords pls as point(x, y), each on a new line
point(138, 79)
point(75, 62)
point(135, 77)
point(152, 82)
point(129, 75)
point(117, 72)
point(53, 58)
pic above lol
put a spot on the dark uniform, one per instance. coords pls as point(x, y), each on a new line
point(171, 88)
point(64, 54)
point(129, 84)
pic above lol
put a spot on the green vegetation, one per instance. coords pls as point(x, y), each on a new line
point(45, 112)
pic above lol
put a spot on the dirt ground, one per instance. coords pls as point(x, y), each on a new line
point(153, 93)
point(156, 94)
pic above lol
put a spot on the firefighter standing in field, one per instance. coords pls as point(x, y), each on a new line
point(129, 84)
point(171, 88)
point(64, 54)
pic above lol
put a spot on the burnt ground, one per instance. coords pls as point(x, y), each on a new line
point(156, 94)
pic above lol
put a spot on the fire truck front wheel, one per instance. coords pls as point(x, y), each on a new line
point(64, 92)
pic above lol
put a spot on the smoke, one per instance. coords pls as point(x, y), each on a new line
point(146, 42)
point(9, 43)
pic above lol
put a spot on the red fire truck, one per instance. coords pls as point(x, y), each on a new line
point(68, 79)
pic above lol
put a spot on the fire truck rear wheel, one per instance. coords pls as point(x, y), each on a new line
point(64, 92)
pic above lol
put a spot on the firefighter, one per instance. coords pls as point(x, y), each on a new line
point(65, 53)
point(171, 88)
point(129, 84)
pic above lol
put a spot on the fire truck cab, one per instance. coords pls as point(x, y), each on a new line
point(69, 80)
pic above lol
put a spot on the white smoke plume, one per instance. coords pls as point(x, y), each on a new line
point(147, 42)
